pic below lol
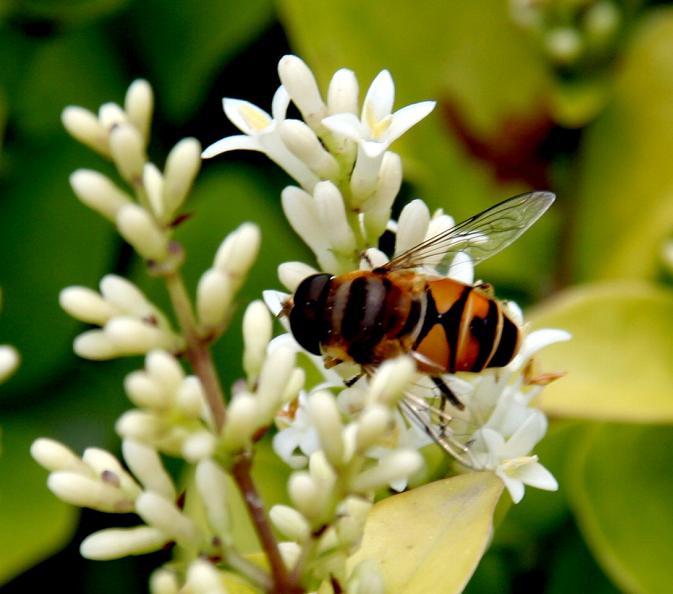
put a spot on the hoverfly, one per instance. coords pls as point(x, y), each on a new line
point(369, 316)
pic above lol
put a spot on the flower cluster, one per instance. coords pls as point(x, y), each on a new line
point(348, 179)
point(340, 209)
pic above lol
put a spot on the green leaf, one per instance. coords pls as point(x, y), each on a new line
point(67, 11)
point(44, 231)
point(621, 493)
point(619, 362)
point(431, 538)
point(34, 523)
point(625, 197)
point(78, 68)
point(183, 45)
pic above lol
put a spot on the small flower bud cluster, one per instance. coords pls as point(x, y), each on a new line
point(121, 135)
point(129, 323)
point(347, 176)
point(570, 31)
point(331, 497)
point(273, 381)
point(172, 415)
point(220, 283)
point(98, 480)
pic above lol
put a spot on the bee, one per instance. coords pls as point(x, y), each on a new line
point(369, 316)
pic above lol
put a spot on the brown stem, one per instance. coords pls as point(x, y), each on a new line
point(201, 360)
point(198, 352)
point(283, 582)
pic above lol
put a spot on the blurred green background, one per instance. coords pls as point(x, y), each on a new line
point(570, 95)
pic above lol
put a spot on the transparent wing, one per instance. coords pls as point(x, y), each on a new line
point(480, 236)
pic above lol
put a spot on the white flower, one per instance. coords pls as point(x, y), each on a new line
point(261, 133)
point(378, 127)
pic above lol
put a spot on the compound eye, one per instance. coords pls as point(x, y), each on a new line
point(307, 314)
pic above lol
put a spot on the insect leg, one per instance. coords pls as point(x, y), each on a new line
point(447, 393)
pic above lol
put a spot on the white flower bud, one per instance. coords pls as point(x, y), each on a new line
point(332, 215)
point(364, 178)
point(367, 578)
point(114, 543)
point(84, 126)
point(302, 87)
point(140, 425)
point(301, 212)
point(190, 398)
point(303, 142)
point(391, 380)
point(95, 345)
point(165, 370)
point(111, 115)
point(133, 337)
point(290, 522)
point(198, 446)
point(9, 361)
point(273, 378)
point(124, 295)
point(86, 305)
point(138, 105)
point(211, 482)
point(342, 95)
point(294, 385)
point(372, 425)
point(352, 516)
point(84, 491)
point(97, 191)
point(203, 578)
point(398, 465)
point(377, 208)
point(109, 470)
point(292, 273)
point(564, 44)
point(412, 226)
point(164, 581)
point(257, 330)
point(238, 251)
point(322, 472)
point(214, 295)
point(243, 418)
point(137, 227)
point(144, 392)
point(291, 553)
point(145, 463)
point(164, 515)
point(128, 152)
point(182, 165)
point(325, 417)
point(52, 455)
point(153, 181)
point(306, 495)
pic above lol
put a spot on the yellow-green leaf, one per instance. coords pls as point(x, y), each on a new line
point(619, 362)
point(625, 194)
point(621, 490)
point(430, 539)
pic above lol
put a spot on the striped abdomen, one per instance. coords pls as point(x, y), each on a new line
point(368, 317)
point(464, 330)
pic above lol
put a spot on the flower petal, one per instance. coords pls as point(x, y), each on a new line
point(526, 436)
point(513, 485)
point(232, 143)
point(345, 124)
point(537, 476)
point(246, 116)
point(462, 269)
point(405, 118)
point(279, 104)
point(379, 100)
